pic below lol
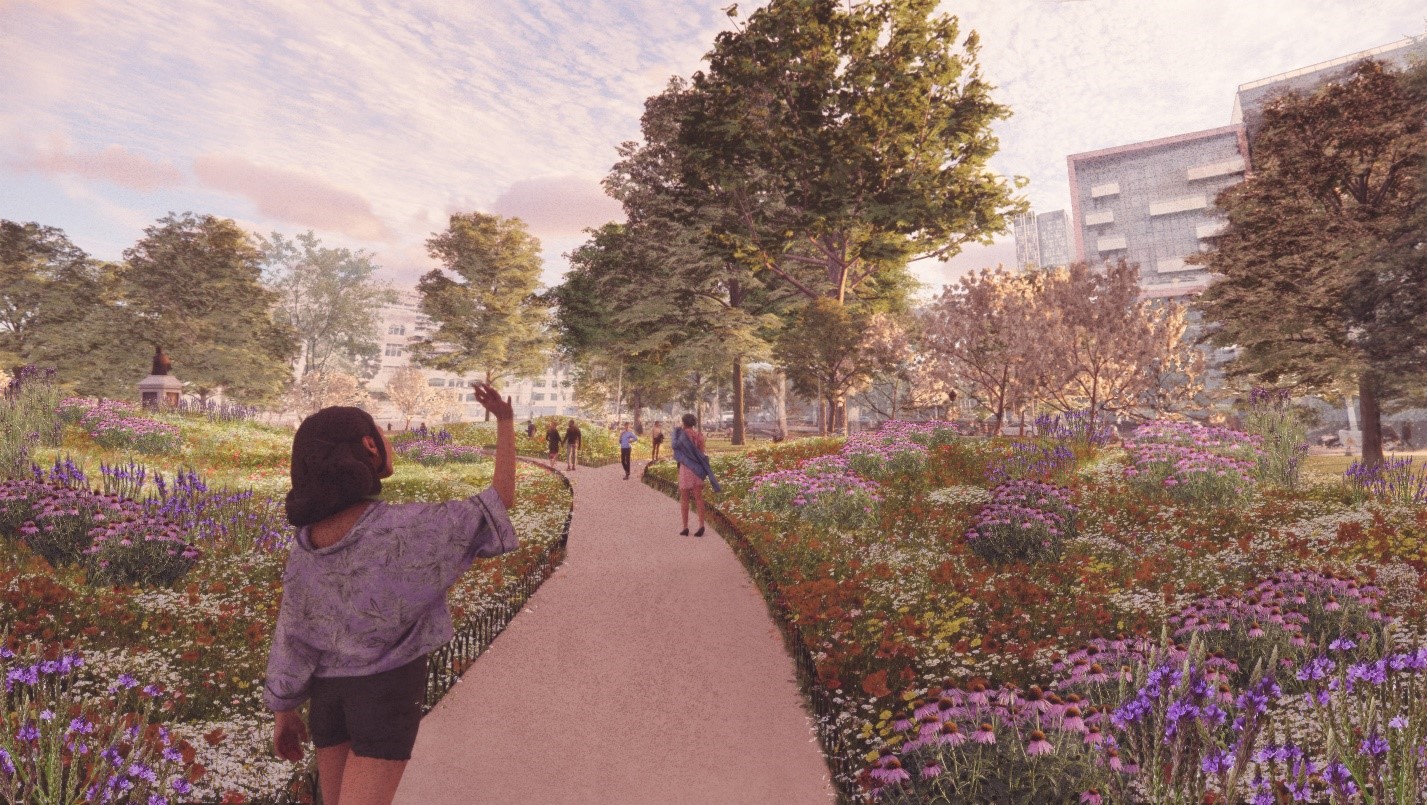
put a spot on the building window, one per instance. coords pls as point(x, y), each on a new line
point(436, 382)
point(395, 350)
point(396, 329)
point(540, 383)
point(422, 325)
point(537, 397)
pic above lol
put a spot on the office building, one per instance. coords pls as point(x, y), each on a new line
point(550, 393)
point(1042, 241)
point(1151, 204)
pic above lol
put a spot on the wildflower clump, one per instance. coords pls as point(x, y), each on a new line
point(823, 491)
point(1283, 433)
point(437, 447)
point(59, 747)
point(974, 743)
point(1391, 481)
point(1025, 521)
point(119, 426)
point(1191, 462)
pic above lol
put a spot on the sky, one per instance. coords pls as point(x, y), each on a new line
point(370, 122)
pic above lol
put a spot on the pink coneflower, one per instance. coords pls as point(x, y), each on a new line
point(930, 770)
point(1224, 693)
point(1332, 605)
point(947, 709)
point(1256, 630)
point(922, 709)
point(985, 734)
point(1036, 699)
point(903, 723)
point(1091, 797)
point(1115, 763)
point(889, 771)
point(1072, 722)
point(1096, 673)
point(976, 693)
point(928, 726)
point(1039, 745)
point(1094, 736)
point(951, 735)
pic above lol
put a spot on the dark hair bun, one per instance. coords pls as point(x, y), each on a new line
point(331, 468)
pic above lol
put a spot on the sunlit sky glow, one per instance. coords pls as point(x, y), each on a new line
point(370, 122)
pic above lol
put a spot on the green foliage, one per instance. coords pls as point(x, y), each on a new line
point(1284, 430)
point(1318, 274)
point(330, 299)
point(192, 284)
point(483, 301)
point(47, 287)
point(27, 419)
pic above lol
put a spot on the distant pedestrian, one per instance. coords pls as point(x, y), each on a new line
point(552, 439)
point(1407, 434)
point(626, 448)
point(530, 428)
point(693, 470)
point(656, 438)
point(573, 437)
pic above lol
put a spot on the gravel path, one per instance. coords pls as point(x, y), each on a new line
point(645, 670)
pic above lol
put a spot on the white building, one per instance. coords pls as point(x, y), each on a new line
point(549, 394)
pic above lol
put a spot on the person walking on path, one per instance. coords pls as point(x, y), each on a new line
point(656, 439)
point(552, 440)
point(530, 428)
point(693, 470)
point(364, 598)
point(626, 448)
point(572, 446)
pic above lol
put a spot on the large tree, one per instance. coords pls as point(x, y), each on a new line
point(490, 317)
point(47, 285)
point(845, 141)
point(193, 285)
point(330, 299)
point(1318, 275)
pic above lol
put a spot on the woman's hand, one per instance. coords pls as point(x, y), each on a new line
point(289, 734)
point(489, 398)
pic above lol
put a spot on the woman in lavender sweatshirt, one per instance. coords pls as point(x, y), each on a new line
point(364, 598)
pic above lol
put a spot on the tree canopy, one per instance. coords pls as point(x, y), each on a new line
point(1320, 269)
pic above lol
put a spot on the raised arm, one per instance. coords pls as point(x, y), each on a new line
point(504, 480)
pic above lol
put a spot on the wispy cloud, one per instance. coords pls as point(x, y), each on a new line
point(113, 163)
point(366, 121)
point(558, 205)
point(292, 196)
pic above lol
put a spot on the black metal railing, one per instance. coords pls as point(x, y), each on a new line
point(837, 751)
point(446, 664)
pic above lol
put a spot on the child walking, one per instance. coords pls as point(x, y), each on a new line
point(364, 598)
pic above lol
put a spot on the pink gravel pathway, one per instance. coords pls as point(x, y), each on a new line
point(645, 670)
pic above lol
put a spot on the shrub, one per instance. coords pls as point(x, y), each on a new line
point(1025, 521)
point(1074, 428)
point(119, 426)
point(1192, 462)
point(1029, 461)
point(438, 447)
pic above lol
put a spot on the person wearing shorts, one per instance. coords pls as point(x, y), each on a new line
point(694, 469)
point(364, 598)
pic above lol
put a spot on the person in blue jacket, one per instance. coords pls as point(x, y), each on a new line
point(693, 470)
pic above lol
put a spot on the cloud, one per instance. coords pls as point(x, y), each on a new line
point(291, 196)
point(558, 205)
point(114, 163)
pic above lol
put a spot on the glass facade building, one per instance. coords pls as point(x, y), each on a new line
point(1042, 241)
point(1152, 203)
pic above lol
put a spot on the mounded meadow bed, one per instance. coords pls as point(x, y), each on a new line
point(1029, 593)
point(196, 647)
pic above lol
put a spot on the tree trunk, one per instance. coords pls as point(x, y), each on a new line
point(780, 402)
point(619, 394)
point(737, 436)
point(716, 407)
point(638, 411)
point(1371, 419)
point(488, 413)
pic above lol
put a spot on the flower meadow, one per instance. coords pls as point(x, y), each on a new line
point(1170, 619)
point(138, 588)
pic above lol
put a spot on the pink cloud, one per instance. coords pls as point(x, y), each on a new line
point(558, 205)
point(293, 197)
point(114, 164)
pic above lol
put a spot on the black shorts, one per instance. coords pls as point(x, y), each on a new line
point(379, 713)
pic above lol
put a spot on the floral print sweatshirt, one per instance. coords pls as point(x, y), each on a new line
point(376, 600)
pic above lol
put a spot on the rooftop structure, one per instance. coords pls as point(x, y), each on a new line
point(1042, 241)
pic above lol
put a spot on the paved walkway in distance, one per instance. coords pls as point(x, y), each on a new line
point(645, 670)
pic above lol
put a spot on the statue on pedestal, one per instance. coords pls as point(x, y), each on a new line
point(161, 362)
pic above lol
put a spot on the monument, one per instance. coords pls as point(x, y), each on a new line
point(160, 388)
